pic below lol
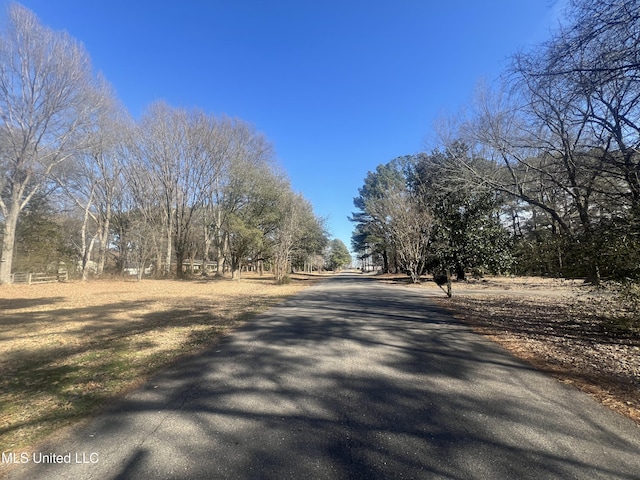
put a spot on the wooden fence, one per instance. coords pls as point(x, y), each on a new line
point(34, 278)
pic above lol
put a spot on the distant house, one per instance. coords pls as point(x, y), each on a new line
point(134, 270)
point(195, 267)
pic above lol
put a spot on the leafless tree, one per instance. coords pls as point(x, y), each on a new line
point(224, 149)
point(173, 146)
point(93, 179)
point(563, 133)
point(598, 56)
point(140, 222)
point(293, 212)
point(408, 222)
point(48, 101)
point(106, 161)
point(397, 214)
point(532, 152)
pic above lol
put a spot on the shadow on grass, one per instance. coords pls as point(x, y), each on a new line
point(535, 318)
point(7, 304)
point(97, 354)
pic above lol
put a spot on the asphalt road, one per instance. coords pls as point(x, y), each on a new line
point(350, 380)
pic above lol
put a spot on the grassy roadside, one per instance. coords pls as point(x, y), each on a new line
point(70, 349)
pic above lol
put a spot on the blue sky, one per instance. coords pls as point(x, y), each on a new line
point(338, 86)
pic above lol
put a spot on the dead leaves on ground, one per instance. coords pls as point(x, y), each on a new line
point(579, 338)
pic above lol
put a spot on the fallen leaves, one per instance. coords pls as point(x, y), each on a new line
point(575, 336)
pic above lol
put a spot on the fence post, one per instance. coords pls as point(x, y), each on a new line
point(28, 279)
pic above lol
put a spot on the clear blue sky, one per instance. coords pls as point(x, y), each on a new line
point(338, 86)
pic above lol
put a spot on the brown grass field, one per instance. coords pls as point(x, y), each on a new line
point(71, 348)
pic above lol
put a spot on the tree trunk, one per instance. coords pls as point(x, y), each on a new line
point(158, 271)
point(121, 260)
point(221, 246)
point(414, 274)
point(167, 258)
point(86, 258)
point(86, 249)
point(104, 241)
point(235, 271)
point(205, 251)
point(8, 242)
point(460, 273)
point(180, 257)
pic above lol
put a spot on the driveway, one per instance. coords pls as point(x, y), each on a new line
point(351, 379)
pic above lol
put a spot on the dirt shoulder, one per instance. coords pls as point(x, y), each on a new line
point(565, 328)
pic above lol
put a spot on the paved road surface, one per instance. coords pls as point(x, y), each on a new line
point(351, 380)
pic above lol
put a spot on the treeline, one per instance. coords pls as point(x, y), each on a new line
point(541, 177)
point(82, 183)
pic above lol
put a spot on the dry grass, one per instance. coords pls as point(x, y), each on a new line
point(69, 349)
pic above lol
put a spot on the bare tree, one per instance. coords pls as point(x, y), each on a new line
point(564, 134)
point(175, 148)
point(408, 222)
point(211, 216)
point(395, 214)
point(242, 193)
point(156, 141)
point(48, 98)
point(597, 56)
point(294, 213)
point(140, 222)
point(105, 164)
point(93, 179)
point(531, 151)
